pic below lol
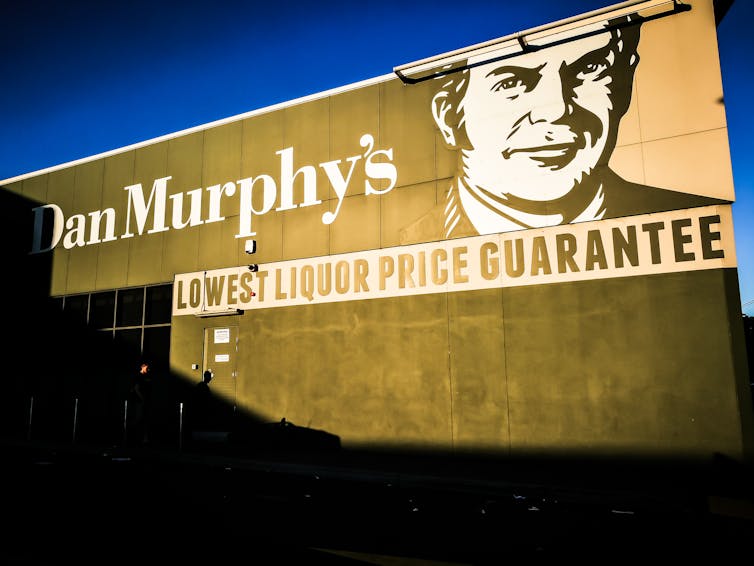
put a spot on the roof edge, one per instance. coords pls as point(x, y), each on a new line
point(721, 8)
point(206, 126)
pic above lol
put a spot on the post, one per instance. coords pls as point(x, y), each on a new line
point(180, 426)
point(75, 420)
point(125, 421)
point(31, 413)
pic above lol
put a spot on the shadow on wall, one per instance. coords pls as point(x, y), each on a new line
point(748, 322)
point(55, 367)
point(67, 382)
point(62, 379)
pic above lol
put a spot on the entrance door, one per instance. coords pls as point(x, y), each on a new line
point(220, 355)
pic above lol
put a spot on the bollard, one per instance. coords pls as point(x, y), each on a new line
point(125, 421)
point(75, 420)
point(31, 413)
point(180, 426)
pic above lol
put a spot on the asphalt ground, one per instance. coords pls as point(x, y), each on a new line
point(70, 504)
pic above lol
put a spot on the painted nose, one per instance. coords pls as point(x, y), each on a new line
point(548, 99)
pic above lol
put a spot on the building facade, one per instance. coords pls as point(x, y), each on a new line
point(522, 247)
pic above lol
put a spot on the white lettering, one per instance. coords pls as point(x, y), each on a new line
point(287, 177)
point(96, 216)
point(379, 170)
point(269, 191)
point(58, 220)
point(339, 184)
point(76, 226)
point(195, 215)
point(378, 167)
point(140, 208)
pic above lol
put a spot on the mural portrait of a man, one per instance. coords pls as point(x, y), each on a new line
point(534, 135)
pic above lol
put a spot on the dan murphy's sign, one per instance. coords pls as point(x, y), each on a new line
point(590, 121)
point(160, 211)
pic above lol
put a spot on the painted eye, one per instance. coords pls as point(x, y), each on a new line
point(511, 86)
point(513, 81)
point(592, 69)
point(509, 83)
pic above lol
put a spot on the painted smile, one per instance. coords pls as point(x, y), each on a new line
point(554, 156)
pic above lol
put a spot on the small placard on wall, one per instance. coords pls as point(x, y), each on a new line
point(222, 357)
point(222, 335)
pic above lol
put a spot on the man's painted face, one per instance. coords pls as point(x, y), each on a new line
point(538, 123)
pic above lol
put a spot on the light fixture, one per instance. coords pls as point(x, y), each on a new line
point(253, 268)
point(250, 246)
point(521, 42)
point(227, 312)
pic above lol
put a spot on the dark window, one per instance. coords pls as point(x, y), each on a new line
point(130, 307)
point(75, 308)
point(128, 343)
point(102, 310)
point(133, 322)
point(157, 346)
point(159, 304)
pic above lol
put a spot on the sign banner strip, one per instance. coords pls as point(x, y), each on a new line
point(676, 241)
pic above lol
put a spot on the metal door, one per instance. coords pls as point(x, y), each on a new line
point(220, 356)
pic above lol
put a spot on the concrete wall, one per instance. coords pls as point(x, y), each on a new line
point(642, 371)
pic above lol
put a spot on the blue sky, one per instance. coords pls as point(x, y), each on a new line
point(83, 77)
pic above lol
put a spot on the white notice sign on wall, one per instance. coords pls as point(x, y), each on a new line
point(222, 335)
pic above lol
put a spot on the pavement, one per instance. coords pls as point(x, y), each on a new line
point(212, 502)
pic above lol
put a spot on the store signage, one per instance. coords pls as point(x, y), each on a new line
point(161, 211)
point(681, 240)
